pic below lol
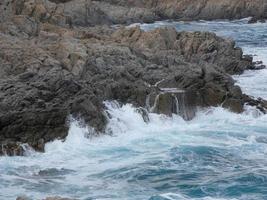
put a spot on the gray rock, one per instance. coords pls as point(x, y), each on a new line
point(23, 198)
point(92, 12)
point(51, 70)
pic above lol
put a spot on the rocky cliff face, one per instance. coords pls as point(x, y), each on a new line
point(52, 69)
point(129, 11)
point(201, 9)
point(92, 12)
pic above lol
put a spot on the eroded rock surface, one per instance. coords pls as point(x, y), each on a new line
point(92, 12)
point(52, 69)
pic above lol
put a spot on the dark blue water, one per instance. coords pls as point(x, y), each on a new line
point(217, 156)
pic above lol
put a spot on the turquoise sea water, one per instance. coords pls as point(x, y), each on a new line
point(217, 156)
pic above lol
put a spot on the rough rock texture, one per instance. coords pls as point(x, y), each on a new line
point(92, 12)
point(130, 11)
point(201, 9)
point(51, 69)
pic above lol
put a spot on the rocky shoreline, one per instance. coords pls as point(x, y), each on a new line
point(62, 58)
point(108, 12)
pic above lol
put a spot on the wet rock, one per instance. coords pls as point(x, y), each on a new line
point(261, 139)
point(23, 198)
point(256, 19)
point(183, 103)
point(144, 113)
point(164, 104)
point(187, 104)
point(253, 20)
point(12, 149)
point(234, 105)
point(52, 172)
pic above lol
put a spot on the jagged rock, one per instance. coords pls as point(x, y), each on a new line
point(51, 70)
point(21, 26)
point(92, 12)
point(128, 11)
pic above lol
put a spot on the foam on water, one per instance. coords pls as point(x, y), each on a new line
point(144, 160)
point(254, 82)
point(218, 155)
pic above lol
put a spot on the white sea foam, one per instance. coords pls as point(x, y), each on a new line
point(133, 144)
point(254, 82)
point(174, 196)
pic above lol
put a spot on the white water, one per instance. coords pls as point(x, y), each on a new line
point(217, 156)
point(255, 82)
point(116, 167)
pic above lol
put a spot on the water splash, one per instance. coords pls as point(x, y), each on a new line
point(141, 160)
point(173, 101)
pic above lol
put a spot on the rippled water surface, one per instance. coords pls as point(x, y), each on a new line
point(219, 155)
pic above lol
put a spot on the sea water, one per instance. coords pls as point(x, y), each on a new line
point(218, 155)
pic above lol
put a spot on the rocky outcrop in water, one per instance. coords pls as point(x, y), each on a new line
point(92, 12)
point(187, 9)
point(52, 69)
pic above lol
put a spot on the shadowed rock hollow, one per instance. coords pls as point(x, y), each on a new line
point(51, 69)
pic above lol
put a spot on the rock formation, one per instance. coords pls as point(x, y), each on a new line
point(53, 66)
point(92, 12)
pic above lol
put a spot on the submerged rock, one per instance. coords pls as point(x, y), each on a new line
point(257, 19)
point(23, 198)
